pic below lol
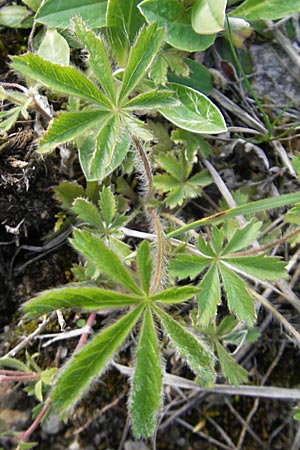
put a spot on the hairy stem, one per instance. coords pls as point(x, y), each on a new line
point(159, 267)
point(146, 166)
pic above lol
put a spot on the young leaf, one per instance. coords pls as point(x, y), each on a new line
point(146, 396)
point(172, 14)
point(152, 100)
point(176, 294)
point(88, 298)
point(197, 113)
point(59, 14)
point(144, 264)
point(123, 22)
point(260, 266)
point(69, 125)
point(141, 55)
point(208, 16)
point(243, 237)
point(209, 296)
point(88, 363)
point(198, 357)
point(239, 300)
point(66, 80)
point(183, 266)
point(66, 192)
point(87, 212)
point(105, 259)
point(266, 9)
point(98, 59)
point(107, 205)
point(13, 363)
point(230, 368)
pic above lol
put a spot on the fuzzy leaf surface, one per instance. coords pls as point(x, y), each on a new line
point(144, 265)
point(69, 125)
point(266, 9)
point(175, 294)
point(239, 300)
point(59, 14)
point(88, 363)
point(141, 55)
point(66, 80)
point(198, 357)
point(98, 58)
point(209, 296)
point(230, 368)
point(107, 205)
point(152, 100)
point(84, 297)
point(105, 259)
point(146, 396)
point(208, 16)
point(87, 212)
point(172, 14)
point(260, 266)
point(196, 113)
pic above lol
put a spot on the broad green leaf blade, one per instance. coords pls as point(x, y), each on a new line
point(68, 126)
point(196, 354)
point(196, 113)
point(260, 266)
point(226, 326)
point(177, 19)
point(136, 127)
point(239, 300)
point(88, 298)
point(66, 192)
point(55, 48)
point(105, 259)
point(152, 100)
point(88, 363)
point(87, 213)
point(243, 237)
point(175, 294)
point(183, 266)
point(266, 9)
point(107, 205)
point(141, 56)
point(123, 21)
point(13, 16)
point(98, 59)
point(59, 14)
point(208, 16)
point(177, 168)
point(199, 78)
point(217, 237)
point(88, 149)
point(209, 297)
point(144, 265)
point(230, 368)
point(66, 80)
point(146, 395)
point(248, 208)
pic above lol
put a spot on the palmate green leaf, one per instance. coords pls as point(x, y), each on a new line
point(123, 21)
point(183, 266)
point(59, 14)
point(87, 213)
point(152, 100)
point(165, 183)
point(230, 368)
point(172, 14)
point(260, 266)
point(66, 192)
point(243, 237)
point(208, 16)
point(136, 127)
point(196, 354)
point(197, 113)
point(54, 48)
point(88, 150)
point(144, 265)
point(146, 395)
point(88, 363)
point(87, 298)
point(141, 55)
point(239, 300)
point(176, 197)
point(266, 9)
point(98, 59)
point(69, 125)
point(105, 259)
point(178, 168)
point(209, 297)
point(176, 294)
point(107, 205)
point(65, 80)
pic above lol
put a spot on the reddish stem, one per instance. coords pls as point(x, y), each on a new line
point(84, 336)
point(25, 435)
